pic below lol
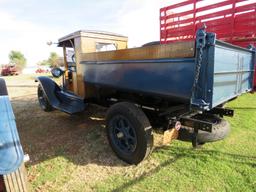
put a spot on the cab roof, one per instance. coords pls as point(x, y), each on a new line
point(68, 40)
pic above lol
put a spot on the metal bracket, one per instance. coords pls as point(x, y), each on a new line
point(194, 138)
point(251, 47)
point(196, 124)
point(200, 103)
point(211, 38)
point(200, 38)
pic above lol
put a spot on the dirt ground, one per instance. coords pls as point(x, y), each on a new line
point(80, 139)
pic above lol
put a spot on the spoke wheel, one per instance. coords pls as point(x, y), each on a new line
point(129, 132)
point(123, 134)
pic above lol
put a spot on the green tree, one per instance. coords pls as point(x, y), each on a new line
point(53, 59)
point(17, 58)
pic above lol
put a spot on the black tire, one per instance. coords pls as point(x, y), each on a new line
point(43, 101)
point(220, 131)
point(136, 140)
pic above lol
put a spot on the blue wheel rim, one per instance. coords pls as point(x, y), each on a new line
point(123, 134)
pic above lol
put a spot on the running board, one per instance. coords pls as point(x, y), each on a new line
point(69, 103)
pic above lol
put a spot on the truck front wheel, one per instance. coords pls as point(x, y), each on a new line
point(129, 132)
point(43, 101)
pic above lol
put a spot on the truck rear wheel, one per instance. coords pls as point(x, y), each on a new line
point(129, 132)
point(43, 101)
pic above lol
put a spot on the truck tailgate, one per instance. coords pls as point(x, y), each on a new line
point(226, 71)
point(233, 72)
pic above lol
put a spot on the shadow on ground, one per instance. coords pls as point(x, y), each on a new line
point(80, 138)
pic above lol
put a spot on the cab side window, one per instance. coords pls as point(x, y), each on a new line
point(105, 47)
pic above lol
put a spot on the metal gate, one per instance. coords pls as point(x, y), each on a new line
point(233, 21)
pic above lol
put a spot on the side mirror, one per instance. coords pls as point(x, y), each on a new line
point(57, 72)
point(49, 43)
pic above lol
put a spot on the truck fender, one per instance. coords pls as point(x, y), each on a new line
point(49, 88)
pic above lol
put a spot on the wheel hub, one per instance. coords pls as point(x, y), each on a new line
point(120, 135)
point(123, 134)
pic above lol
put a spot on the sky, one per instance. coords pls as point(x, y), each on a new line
point(26, 25)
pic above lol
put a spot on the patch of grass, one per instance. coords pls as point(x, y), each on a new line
point(228, 165)
point(50, 174)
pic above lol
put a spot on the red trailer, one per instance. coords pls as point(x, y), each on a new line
point(234, 21)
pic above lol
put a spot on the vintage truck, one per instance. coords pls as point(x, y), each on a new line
point(182, 85)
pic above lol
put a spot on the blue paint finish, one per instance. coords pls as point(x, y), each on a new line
point(59, 99)
point(201, 98)
point(11, 154)
point(151, 76)
point(233, 73)
point(226, 72)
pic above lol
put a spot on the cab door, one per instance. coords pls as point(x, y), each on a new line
point(70, 69)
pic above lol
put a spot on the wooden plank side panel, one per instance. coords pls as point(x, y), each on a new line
point(173, 50)
point(16, 181)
